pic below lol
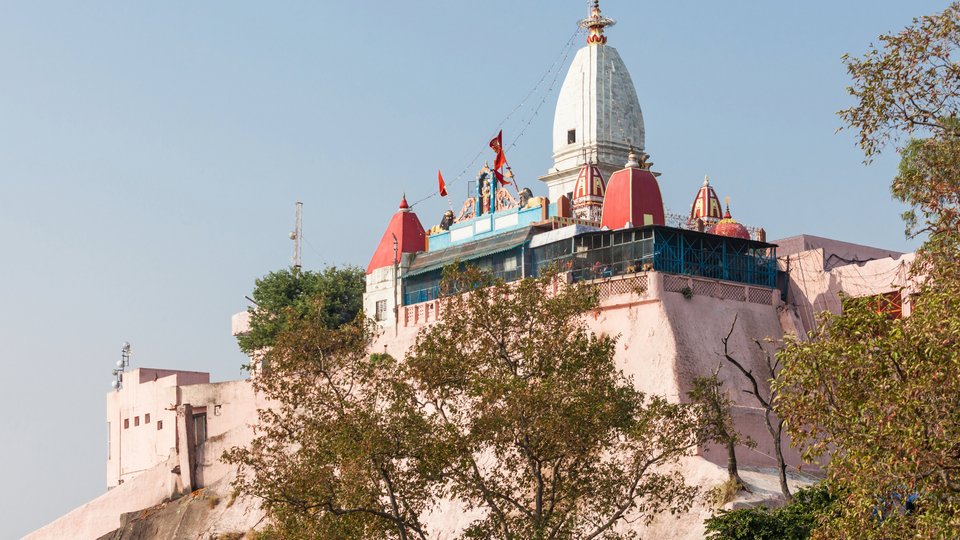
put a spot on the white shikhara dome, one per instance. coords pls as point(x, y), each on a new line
point(599, 101)
point(598, 118)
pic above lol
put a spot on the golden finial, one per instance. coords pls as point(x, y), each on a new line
point(595, 24)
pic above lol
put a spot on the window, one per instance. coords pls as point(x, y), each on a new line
point(136, 421)
point(146, 418)
point(200, 428)
point(381, 314)
point(109, 440)
point(571, 136)
point(159, 425)
point(126, 423)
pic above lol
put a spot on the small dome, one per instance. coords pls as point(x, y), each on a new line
point(588, 193)
point(706, 205)
point(729, 227)
point(590, 185)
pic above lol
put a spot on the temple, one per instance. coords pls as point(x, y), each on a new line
point(671, 285)
point(603, 217)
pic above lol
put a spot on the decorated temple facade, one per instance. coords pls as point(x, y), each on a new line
point(521, 236)
point(603, 216)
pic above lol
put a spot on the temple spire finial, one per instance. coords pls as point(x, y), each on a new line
point(595, 24)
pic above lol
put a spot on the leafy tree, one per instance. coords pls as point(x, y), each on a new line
point(283, 297)
point(795, 521)
point(342, 452)
point(718, 421)
point(550, 439)
point(881, 396)
point(909, 84)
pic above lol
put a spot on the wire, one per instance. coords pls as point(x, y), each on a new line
point(554, 67)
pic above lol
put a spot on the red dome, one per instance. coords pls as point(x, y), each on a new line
point(633, 196)
point(729, 227)
point(411, 238)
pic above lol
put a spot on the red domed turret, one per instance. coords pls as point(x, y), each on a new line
point(411, 238)
point(588, 193)
point(729, 227)
point(633, 198)
point(707, 205)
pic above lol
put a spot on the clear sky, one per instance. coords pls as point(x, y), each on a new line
point(151, 154)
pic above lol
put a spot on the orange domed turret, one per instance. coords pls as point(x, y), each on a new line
point(729, 227)
point(707, 205)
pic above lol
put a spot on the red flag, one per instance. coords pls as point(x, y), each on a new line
point(443, 185)
point(500, 160)
point(499, 176)
point(497, 145)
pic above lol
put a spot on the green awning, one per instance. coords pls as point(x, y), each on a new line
point(433, 260)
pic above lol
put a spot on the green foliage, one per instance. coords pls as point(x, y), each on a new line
point(507, 404)
point(551, 439)
point(795, 521)
point(283, 298)
point(342, 452)
point(910, 83)
point(929, 182)
point(881, 397)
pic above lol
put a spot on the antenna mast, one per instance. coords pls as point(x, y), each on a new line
point(295, 235)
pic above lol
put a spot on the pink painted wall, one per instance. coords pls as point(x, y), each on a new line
point(102, 515)
point(137, 445)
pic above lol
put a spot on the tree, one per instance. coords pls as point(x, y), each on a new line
point(342, 451)
point(550, 439)
point(771, 419)
point(283, 297)
point(718, 421)
point(909, 84)
point(881, 396)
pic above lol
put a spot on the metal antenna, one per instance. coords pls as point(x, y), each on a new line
point(122, 365)
point(295, 236)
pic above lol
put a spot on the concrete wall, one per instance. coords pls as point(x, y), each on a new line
point(102, 515)
point(148, 465)
point(137, 445)
point(141, 418)
point(667, 340)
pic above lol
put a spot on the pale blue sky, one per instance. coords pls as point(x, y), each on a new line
point(151, 154)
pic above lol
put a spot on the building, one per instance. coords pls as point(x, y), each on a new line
point(670, 286)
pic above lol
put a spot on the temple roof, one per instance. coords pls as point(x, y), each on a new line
point(432, 260)
point(406, 228)
point(633, 196)
point(598, 103)
point(590, 186)
point(729, 227)
point(706, 205)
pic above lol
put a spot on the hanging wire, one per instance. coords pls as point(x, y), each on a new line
point(555, 69)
